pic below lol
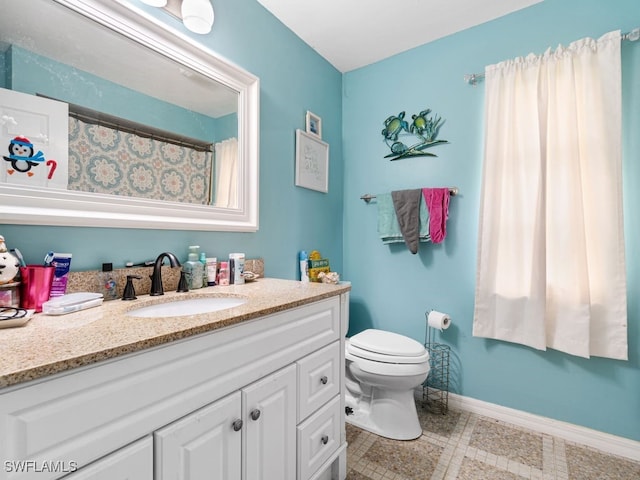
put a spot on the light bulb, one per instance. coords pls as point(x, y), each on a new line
point(155, 3)
point(197, 15)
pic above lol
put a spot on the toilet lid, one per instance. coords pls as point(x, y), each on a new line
point(372, 342)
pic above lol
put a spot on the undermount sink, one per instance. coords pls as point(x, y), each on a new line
point(192, 306)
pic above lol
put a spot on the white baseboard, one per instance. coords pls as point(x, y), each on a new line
point(605, 442)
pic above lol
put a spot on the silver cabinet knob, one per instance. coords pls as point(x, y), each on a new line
point(324, 380)
point(255, 414)
point(237, 425)
point(324, 439)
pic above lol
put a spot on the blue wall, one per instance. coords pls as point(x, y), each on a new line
point(392, 289)
point(293, 79)
point(226, 127)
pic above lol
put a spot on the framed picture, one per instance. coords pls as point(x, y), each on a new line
point(314, 124)
point(312, 162)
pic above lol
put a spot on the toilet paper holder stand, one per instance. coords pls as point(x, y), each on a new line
point(435, 389)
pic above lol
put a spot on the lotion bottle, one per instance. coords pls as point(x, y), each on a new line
point(212, 271)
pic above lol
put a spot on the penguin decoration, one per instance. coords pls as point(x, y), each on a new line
point(22, 156)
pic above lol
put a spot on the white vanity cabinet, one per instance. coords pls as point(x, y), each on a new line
point(174, 411)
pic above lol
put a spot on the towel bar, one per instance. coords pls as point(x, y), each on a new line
point(368, 197)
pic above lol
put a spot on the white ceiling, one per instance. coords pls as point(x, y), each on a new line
point(355, 33)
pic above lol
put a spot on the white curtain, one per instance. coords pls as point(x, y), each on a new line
point(226, 193)
point(551, 266)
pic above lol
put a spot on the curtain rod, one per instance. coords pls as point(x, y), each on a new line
point(95, 117)
point(473, 78)
point(367, 197)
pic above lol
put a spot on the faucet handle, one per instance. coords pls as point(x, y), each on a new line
point(130, 292)
point(183, 285)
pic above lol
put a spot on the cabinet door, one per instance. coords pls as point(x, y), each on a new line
point(205, 444)
point(133, 462)
point(35, 131)
point(269, 410)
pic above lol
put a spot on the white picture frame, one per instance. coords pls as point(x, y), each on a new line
point(314, 124)
point(312, 162)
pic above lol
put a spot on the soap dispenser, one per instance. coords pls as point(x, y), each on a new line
point(193, 268)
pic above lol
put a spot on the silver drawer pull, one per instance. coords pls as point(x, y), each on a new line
point(324, 380)
point(255, 414)
point(237, 425)
point(325, 439)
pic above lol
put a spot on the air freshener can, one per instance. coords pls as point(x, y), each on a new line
point(236, 265)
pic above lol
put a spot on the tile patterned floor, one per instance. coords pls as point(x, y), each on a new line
point(465, 446)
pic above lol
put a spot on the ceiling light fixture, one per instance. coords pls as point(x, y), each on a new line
point(196, 15)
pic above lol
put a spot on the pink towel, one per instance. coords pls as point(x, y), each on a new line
point(437, 200)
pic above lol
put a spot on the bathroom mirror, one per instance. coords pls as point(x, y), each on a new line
point(118, 43)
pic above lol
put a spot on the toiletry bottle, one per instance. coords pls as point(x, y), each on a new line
point(203, 261)
point(107, 282)
point(212, 271)
point(223, 276)
point(304, 266)
point(193, 268)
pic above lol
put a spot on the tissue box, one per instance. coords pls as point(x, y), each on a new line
point(317, 266)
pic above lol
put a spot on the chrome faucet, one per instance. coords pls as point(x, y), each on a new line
point(156, 277)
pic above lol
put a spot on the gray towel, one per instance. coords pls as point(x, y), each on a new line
point(407, 206)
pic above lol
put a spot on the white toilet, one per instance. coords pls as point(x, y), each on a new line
point(382, 371)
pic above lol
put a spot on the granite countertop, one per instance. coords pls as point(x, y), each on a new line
point(50, 344)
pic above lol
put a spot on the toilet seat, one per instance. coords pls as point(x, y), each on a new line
point(386, 347)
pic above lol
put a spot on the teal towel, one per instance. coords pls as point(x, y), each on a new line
point(388, 226)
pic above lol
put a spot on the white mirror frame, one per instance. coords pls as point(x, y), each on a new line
point(41, 206)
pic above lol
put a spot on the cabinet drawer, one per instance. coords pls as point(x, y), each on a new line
point(318, 438)
point(318, 379)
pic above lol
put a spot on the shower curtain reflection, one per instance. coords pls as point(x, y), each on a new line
point(226, 174)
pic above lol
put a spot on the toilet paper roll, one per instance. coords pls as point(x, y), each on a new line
point(438, 320)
